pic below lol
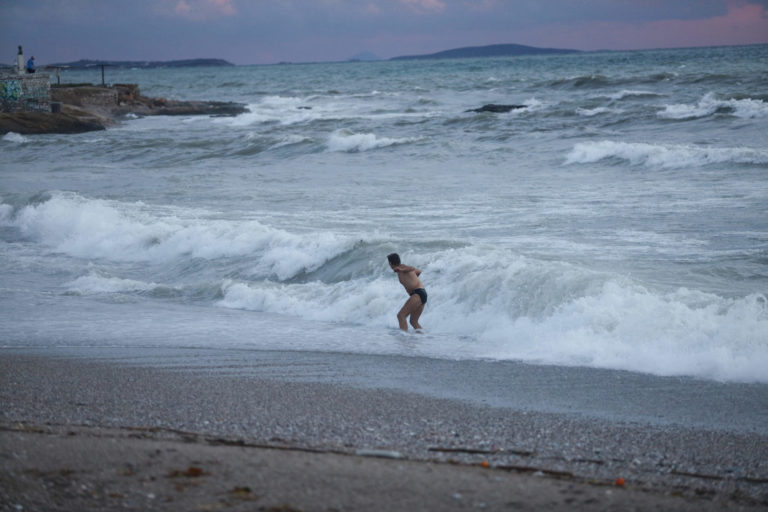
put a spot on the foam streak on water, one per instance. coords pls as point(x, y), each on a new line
point(619, 219)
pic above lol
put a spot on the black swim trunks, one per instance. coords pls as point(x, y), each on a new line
point(422, 293)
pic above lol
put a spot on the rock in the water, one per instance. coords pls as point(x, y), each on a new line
point(164, 107)
point(491, 107)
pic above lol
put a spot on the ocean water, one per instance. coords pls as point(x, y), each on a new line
point(619, 220)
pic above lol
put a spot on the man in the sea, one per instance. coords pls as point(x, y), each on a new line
point(409, 278)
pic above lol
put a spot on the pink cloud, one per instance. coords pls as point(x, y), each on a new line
point(744, 23)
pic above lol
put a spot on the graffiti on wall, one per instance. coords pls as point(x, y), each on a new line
point(25, 93)
point(10, 90)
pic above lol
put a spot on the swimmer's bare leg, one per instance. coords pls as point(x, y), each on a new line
point(411, 306)
point(415, 316)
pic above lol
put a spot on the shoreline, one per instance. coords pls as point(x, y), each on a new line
point(618, 396)
point(210, 404)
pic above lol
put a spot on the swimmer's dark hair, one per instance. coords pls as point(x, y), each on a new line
point(394, 259)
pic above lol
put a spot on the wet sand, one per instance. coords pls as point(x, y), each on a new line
point(182, 429)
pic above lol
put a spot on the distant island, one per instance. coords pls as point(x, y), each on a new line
point(364, 57)
point(84, 63)
point(494, 50)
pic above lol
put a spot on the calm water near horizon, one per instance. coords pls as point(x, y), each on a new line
point(619, 220)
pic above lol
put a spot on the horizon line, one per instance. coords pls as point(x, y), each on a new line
point(424, 56)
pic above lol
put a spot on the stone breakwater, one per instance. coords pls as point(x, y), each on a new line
point(84, 108)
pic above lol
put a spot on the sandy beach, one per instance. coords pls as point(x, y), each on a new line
point(184, 429)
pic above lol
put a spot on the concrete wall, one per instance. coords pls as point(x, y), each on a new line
point(25, 93)
point(87, 96)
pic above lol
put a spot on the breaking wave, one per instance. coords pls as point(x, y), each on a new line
point(545, 312)
point(709, 105)
point(15, 138)
point(134, 232)
point(663, 156)
point(347, 141)
point(494, 303)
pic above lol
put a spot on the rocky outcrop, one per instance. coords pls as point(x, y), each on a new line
point(35, 123)
point(101, 100)
point(87, 108)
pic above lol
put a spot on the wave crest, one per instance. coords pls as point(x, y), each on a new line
point(518, 308)
point(663, 156)
point(350, 142)
point(709, 105)
point(15, 138)
point(118, 231)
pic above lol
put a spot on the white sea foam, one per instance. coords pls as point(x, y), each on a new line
point(633, 94)
point(276, 109)
point(5, 213)
point(95, 283)
point(347, 141)
point(516, 308)
point(591, 112)
point(663, 156)
point(15, 137)
point(709, 104)
point(290, 140)
point(532, 105)
point(119, 231)
point(296, 110)
point(511, 307)
point(562, 314)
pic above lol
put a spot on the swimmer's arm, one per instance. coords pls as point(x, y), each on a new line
point(407, 268)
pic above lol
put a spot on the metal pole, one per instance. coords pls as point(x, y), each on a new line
point(102, 75)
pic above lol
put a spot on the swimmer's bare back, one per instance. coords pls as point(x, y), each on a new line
point(408, 277)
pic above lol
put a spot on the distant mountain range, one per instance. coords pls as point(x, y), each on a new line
point(494, 50)
point(83, 63)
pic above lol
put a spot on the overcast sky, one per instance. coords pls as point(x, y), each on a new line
point(270, 31)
